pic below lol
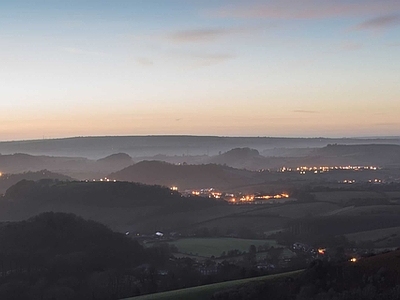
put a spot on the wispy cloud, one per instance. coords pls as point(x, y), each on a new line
point(306, 9)
point(386, 124)
point(197, 35)
point(144, 61)
point(205, 34)
point(351, 46)
point(208, 59)
point(84, 52)
point(379, 23)
point(304, 111)
point(73, 24)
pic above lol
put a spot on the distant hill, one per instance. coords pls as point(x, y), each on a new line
point(77, 167)
point(20, 162)
point(241, 158)
point(135, 146)
point(114, 162)
point(116, 158)
point(185, 176)
point(330, 155)
point(7, 180)
point(377, 154)
point(287, 152)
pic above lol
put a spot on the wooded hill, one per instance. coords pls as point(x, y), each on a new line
point(117, 204)
point(186, 176)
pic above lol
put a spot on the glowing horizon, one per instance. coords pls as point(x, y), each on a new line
point(287, 68)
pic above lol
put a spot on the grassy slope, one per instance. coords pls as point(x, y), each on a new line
point(204, 292)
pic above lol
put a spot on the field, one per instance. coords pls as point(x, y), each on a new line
point(342, 197)
point(367, 210)
point(207, 247)
point(205, 292)
point(238, 222)
point(295, 210)
point(393, 195)
point(374, 235)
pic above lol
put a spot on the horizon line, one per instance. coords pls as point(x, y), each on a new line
point(200, 136)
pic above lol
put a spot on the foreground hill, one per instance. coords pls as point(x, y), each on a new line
point(61, 256)
point(205, 292)
point(186, 176)
point(374, 277)
point(122, 205)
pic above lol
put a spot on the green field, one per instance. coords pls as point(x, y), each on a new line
point(207, 247)
point(205, 292)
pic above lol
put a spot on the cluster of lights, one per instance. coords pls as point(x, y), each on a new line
point(252, 198)
point(248, 198)
point(174, 188)
point(315, 169)
point(375, 180)
point(277, 196)
point(216, 195)
point(349, 181)
point(209, 192)
point(105, 179)
point(230, 197)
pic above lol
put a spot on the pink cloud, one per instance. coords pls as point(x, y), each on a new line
point(206, 35)
point(304, 111)
point(307, 9)
point(351, 46)
point(379, 23)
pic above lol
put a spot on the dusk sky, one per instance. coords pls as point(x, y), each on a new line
point(232, 68)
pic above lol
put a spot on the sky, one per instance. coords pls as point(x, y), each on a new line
point(233, 68)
